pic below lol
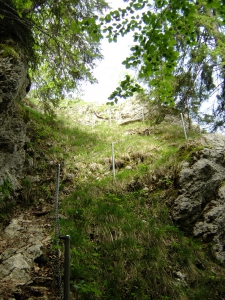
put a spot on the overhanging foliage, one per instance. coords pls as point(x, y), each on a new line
point(64, 35)
point(178, 51)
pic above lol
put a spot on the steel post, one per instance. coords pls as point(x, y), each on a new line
point(66, 266)
point(185, 133)
point(113, 162)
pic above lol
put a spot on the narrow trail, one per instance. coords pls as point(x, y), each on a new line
point(26, 269)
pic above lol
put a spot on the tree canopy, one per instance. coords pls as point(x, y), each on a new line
point(179, 52)
point(61, 39)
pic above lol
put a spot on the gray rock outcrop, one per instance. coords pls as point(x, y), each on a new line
point(14, 82)
point(129, 111)
point(200, 207)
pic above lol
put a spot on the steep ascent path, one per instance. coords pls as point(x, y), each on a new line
point(26, 258)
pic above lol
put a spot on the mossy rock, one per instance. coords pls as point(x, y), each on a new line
point(6, 50)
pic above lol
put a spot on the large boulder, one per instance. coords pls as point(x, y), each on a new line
point(200, 207)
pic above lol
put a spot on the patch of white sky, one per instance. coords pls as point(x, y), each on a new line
point(110, 70)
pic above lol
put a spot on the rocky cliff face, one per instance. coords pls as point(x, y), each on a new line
point(14, 83)
point(200, 207)
point(92, 114)
point(26, 238)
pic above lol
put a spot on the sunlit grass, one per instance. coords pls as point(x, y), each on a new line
point(118, 238)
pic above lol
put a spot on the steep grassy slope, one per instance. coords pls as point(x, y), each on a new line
point(124, 244)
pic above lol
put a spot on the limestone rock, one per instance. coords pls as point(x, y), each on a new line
point(13, 86)
point(132, 110)
point(14, 79)
point(200, 207)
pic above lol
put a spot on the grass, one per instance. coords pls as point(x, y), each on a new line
point(124, 244)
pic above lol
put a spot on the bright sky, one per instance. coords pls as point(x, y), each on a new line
point(110, 70)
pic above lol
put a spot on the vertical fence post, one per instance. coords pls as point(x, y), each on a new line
point(182, 118)
point(113, 162)
point(57, 229)
point(143, 116)
point(66, 239)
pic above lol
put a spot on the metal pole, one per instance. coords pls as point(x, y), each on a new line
point(57, 229)
point(57, 199)
point(182, 118)
point(66, 266)
point(113, 162)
